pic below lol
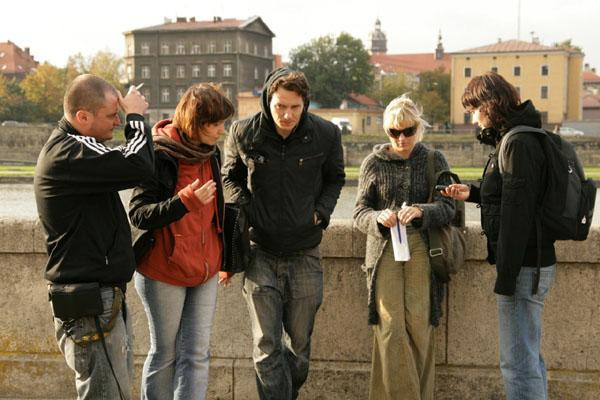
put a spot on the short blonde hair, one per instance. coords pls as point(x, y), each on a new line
point(403, 113)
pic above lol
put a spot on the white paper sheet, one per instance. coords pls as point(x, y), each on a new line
point(400, 242)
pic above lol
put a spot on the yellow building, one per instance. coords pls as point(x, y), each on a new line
point(551, 77)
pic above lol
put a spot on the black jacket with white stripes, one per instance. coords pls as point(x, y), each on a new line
point(76, 184)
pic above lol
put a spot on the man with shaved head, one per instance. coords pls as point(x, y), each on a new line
point(88, 239)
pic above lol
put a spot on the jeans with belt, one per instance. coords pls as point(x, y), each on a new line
point(520, 333)
point(93, 376)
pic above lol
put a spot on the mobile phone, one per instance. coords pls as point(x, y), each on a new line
point(440, 187)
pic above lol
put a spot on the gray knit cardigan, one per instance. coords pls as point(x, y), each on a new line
point(386, 181)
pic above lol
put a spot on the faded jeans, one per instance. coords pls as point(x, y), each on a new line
point(520, 332)
point(94, 379)
point(180, 321)
point(283, 294)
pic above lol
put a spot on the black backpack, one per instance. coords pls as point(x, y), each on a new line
point(567, 204)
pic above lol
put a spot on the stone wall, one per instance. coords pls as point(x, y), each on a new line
point(22, 143)
point(467, 355)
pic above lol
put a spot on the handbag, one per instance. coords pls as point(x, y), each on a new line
point(447, 245)
point(237, 239)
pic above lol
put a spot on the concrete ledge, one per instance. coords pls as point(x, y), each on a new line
point(467, 355)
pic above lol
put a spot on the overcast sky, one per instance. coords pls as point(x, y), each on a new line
point(53, 30)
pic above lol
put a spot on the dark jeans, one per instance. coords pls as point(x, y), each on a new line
point(283, 294)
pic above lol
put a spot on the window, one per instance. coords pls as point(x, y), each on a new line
point(266, 51)
point(544, 70)
point(180, 49)
point(544, 92)
point(494, 69)
point(180, 92)
point(368, 120)
point(164, 72)
point(255, 49)
point(228, 46)
point(165, 95)
point(145, 48)
point(255, 73)
point(467, 72)
point(195, 71)
point(164, 49)
point(226, 69)
point(247, 47)
point(195, 49)
point(146, 94)
point(517, 70)
point(211, 71)
point(129, 72)
point(145, 72)
point(180, 71)
point(467, 118)
point(212, 47)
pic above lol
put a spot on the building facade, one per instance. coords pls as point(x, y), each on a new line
point(549, 76)
point(169, 58)
point(14, 61)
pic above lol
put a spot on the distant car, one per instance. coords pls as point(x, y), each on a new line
point(568, 131)
point(14, 123)
point(344, 125)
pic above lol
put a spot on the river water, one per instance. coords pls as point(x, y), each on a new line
point(16, 200)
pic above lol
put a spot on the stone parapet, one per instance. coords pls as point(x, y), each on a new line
point(467, 356)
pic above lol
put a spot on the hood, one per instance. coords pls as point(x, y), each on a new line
point(525, 114)
point(264, 101)
point(166, 128)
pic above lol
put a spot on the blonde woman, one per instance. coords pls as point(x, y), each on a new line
point(404, 298)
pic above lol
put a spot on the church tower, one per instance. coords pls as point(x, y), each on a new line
point(377, 39)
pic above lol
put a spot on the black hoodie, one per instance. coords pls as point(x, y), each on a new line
point(284, 181)
point(509, 202)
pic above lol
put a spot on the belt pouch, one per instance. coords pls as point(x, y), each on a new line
point(75, 300)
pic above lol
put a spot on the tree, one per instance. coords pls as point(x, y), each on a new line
point(388, 87)
point(44, 89)
point(567, 45)
point(104, 64)
point(334, 67)
point(433, 93)
point(13, 105)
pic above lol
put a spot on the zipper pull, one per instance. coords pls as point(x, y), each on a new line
point(106, 260)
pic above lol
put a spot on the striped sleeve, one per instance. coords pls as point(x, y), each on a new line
point(133, 145)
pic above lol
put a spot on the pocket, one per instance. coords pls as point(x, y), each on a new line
point(183, 247)
point(546, 282)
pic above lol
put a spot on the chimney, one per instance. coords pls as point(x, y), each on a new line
point(181, 19)
point(499, 40)
point(217, 19)
point(586, 66)
point(192, 19)
point(26, 49)
point(168, 20)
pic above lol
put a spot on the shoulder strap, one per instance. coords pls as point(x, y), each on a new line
point(431, 174)
point(514, 131)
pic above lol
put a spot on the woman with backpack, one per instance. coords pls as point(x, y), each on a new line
point(182, 207)
point(509, 200)
point(404, 296)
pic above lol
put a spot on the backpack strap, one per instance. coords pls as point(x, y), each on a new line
point(538, 218)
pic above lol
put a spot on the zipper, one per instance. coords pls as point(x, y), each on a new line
point(303, 159)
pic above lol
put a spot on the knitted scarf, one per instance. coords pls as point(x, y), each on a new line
point(186, 151)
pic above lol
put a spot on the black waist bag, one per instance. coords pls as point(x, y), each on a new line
point(75, 300)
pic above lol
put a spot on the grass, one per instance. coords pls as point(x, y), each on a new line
point(465, 173)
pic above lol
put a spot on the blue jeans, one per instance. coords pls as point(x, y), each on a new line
point(93, 376)
point(180, 321)
point(283, 294)
point(520, 332)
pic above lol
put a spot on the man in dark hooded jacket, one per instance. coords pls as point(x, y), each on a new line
point(286, 165)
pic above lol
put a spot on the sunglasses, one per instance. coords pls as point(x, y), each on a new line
point(407, 132)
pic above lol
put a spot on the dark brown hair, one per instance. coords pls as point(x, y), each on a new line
point(295, 81)
point(86, 92)
point(495, 98)
point(201, 104)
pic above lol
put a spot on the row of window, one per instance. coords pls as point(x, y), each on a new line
point(516, 70)
point(165, 93)
point(195, 72)
point(209, 47)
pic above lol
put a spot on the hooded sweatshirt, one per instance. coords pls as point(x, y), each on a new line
point(283, 182)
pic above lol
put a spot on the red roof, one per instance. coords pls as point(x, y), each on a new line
point(409, 63)
point(590, 76)
point(14, 60)
point(363, 100)
point(511, 46)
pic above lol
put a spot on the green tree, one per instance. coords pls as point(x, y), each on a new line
point(567, 45)
point(433, 93)
point(44, 89)
point(13, 104)
point(104, 64)
point(388, 87)
point(334, 67)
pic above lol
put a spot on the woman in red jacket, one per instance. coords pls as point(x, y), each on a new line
point(177, 278)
